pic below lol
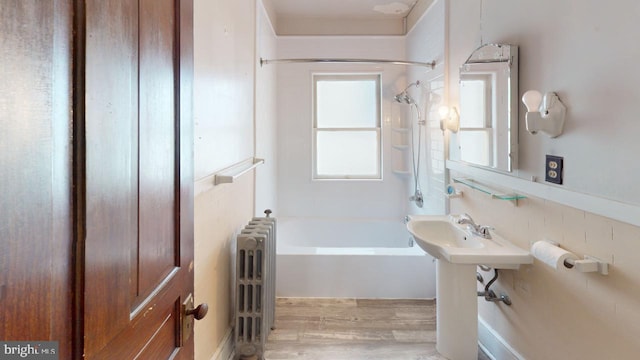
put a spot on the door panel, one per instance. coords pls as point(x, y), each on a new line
point(138, 259)
point(111, 167)
point(141, 338)
point(35, 175)
point(157, 251)
point(163, 342)
point(98, 224)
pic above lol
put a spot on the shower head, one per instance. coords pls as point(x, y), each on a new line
point(404, 97)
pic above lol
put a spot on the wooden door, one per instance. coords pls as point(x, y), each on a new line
point(135, 179)
point(35, 172)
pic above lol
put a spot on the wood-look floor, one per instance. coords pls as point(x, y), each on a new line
point(354, 329)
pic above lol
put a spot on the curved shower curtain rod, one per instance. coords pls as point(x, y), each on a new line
point(362, 61)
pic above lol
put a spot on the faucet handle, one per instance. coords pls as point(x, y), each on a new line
point(463, 216)
point(484, 230)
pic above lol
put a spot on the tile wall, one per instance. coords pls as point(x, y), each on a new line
point(563, 314)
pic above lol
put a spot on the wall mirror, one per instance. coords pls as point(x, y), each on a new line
point(488, 135)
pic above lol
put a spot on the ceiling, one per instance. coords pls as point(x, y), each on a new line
point(342, 17)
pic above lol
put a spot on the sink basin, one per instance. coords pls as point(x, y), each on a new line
point(446, 240)
point(458, 252)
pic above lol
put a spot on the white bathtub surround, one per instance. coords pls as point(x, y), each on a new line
point(350, 258)
point(426, 40)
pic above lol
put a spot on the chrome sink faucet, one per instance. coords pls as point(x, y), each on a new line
point(480, 230)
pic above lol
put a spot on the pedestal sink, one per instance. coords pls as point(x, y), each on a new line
point(458, 253)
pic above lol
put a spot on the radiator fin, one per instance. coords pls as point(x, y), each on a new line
point(255, 286)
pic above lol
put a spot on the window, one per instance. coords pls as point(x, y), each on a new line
point(346, 127)
point(476, 131)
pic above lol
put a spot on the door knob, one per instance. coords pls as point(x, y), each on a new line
point(199, 312)
point(189, 313)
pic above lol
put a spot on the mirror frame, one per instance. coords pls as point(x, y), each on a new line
point(482, 58)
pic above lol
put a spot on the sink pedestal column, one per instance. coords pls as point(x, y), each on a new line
point(457, 311)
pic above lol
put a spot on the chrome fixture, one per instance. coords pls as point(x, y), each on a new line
point(490, 295)
point(404, 98)
point(480, 230)
point(544, 113)
point(417, 196)
point(411, 241)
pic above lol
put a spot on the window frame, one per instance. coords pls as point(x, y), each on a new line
point(488, 127)
point(350, 76)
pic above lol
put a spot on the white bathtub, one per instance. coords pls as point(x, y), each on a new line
point(350, 258)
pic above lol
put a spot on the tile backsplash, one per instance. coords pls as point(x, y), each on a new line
point(563, 313)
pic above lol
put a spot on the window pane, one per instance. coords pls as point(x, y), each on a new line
point(346, 104)
point(474, 103)
point(342, 153)
point(475, 146)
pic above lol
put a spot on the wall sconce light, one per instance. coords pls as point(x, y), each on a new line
point(449, 119)
point(544, 114)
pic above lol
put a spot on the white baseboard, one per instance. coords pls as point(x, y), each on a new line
point(494, 345)
point(225, 349)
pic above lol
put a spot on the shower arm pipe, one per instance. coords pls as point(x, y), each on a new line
point(430, 65)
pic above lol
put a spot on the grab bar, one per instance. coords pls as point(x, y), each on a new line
point(233, 172)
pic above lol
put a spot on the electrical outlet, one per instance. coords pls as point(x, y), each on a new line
point(553, 169)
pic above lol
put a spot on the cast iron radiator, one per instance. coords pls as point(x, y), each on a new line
point(255, 286)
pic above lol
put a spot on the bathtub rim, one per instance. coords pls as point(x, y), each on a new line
point(284, 248)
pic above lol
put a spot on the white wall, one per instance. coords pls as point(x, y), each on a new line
point(298, 194)
point(583, 51)
point(234, 115)
point(266, 117)
point(580, 49)
point(224, 35)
